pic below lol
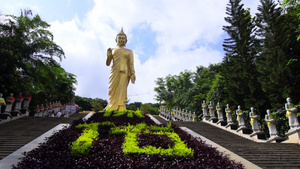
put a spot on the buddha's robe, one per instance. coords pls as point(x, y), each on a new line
point(119, 78)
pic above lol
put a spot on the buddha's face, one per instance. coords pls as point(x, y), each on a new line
point(121, 40)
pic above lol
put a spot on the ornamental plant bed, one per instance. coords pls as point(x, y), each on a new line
point(123, 139)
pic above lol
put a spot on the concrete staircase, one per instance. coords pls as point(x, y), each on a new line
point(265, 155)
point(16, 133)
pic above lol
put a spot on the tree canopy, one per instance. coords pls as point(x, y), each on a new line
point(28, 57)
point(260, 67)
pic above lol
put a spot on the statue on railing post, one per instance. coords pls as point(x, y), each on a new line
point(228, 114)
point(18, 105)
point(26, 102)
point(2, 101)
point(254, 120)
point(291, 114)
point(37, 111)
point(240, 117)
point(204, 110)
point(190, 116)
point(220, 114)
point(257, 134)
point(230, 125)
point(9, 103)
point(213, 117)
point(194, 116)
point(271, 124)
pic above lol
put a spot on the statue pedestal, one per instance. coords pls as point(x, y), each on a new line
point(205, 118)
point(25, 112)
point(244, 130)
point(231, 126)
point(222, 123)
point(294, 136)
point(276, 139)
point(15, 113)
point(5, 116)
point(213, 119)
point(258, 136)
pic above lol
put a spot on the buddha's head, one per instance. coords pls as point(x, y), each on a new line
point(288, 100)
point(121, 38)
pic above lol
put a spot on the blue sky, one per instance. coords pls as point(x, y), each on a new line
point(166, 36)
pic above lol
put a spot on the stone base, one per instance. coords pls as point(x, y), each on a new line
point(294, 136)
point(276, 139)
point(231, 126)
point(5, 116)
point(15, 113)
point(244, 130)
point(222, 123)
point(25, 112)
point(258, 136)
point(213, 119)
point(205, 118)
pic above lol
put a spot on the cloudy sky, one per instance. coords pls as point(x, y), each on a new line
point(166, 36)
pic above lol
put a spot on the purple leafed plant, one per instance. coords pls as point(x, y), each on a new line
point(106, 151)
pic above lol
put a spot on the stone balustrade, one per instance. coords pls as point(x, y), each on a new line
point(177, 114)
point(16, 107)
point(13, 107)
point(53, 109)
point(235, 121)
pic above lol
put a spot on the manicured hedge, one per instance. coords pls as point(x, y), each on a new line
point(107, 149)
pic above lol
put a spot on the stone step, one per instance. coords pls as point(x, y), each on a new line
point(265, 155)
point(17, 133)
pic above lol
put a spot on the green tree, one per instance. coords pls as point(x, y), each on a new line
point(271, 38)
point(238, 68)
point(27, 57)
point(208, 86)
point(162, 94)
point(279, 53)
point(134, 106)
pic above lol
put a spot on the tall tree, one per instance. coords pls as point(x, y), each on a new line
point(279, 53)
point(239, 70)
point(27, 57)
point(27, 47)
point(271, 38)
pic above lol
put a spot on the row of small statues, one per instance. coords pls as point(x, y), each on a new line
point(20, 103)
point(291, 114)
point(50, 109)
point(56, 109)
point(177, 114)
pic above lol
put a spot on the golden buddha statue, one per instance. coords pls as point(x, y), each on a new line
point(122, 71)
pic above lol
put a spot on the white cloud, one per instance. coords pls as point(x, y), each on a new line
point(187, 33)
point(178, 27)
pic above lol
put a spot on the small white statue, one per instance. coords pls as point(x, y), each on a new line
point(271, 124)
point(240, 117)
point(291, 113)
point(211, 110)
point(204, 108)
point(228, 114)
point(254, 120)
point(9, 103)
point(219, 112)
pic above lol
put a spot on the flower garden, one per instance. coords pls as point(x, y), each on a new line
point(123, 139)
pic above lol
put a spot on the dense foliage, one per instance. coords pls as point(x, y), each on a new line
point(111, 148)
point(28, 56)
point(98, 104)
point(260, 68)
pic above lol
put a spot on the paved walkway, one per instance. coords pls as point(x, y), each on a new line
point(265, 155)
point(16, 133)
